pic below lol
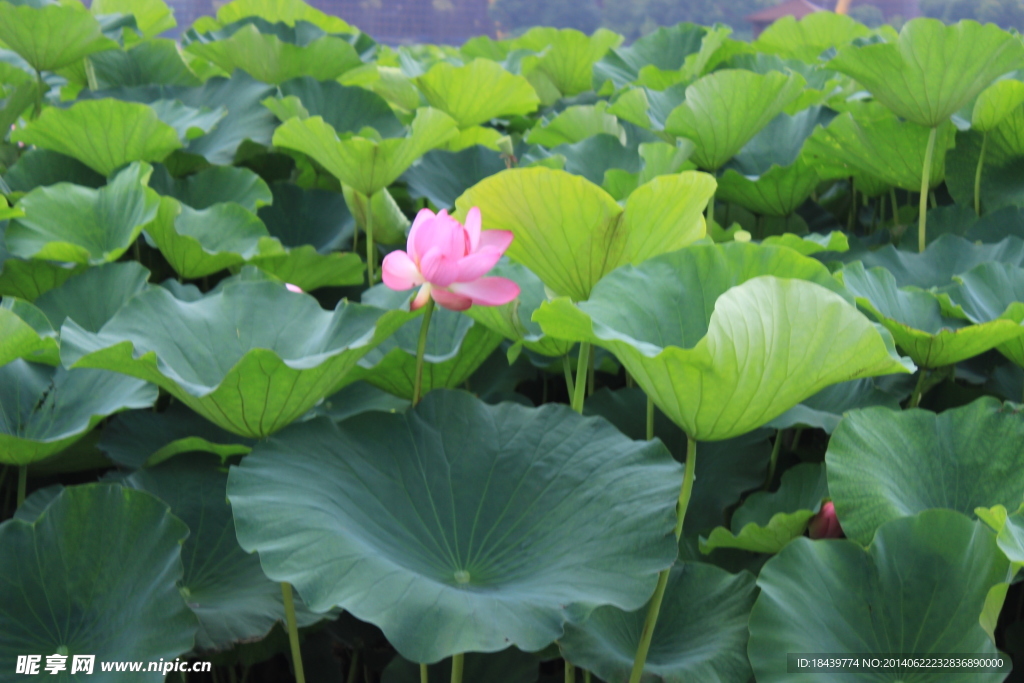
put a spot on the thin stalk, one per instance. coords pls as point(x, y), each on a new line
point(90, 75)
point(586, 676)
point(570, 672)
point(567, 367)
point(915, 398)
point(591, 375)
point(650, 418)
point(776, 447)
point(895, 208)
point(711, 211)
point(457, 664)
point(881, 211)
point(424, 674)
point(232, 677)
point(293, 631)
point(40, 89)
point(369, 241)
point(851, 219)
point(353, 667)
point(22, 483)
point(581, 377)
point(659, 593)
point(977, 174)
point(796, 438)
point(922, 219)
point(629, 380)
point(421, 347)
point(933, 200)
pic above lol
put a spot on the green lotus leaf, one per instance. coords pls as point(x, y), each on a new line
point(726, 469)
point(919, 588)
point(237, 370)
point(941, 68)
point(390, 225)
point(720, 114)
point(664, 49)
point(188, 122)
point(92, 297)
point(456, 346)
point(27, 279)
point(825, 409)
point(571, 233)
point(575, 124)
point(781, 142)
point(701, 632)
point(567, 60)
point(39, 167)
point(364, 164)
point(885, 464)
point(46, 409)
point(103, 134)
point(103, 582)
point(459, 91)
point(507, 666)
point(26, 333)
point(721, 337)
point(1009, 530)
point(223, 585)
point(51, 37)
point(596, 158)
point(17, 102)
point(271, 59)
point(993, 294)
point(514, 319)
point(778, 192)
point(813, 243)
point(358, 398)
point(485, 541)
point(153, 62)
point(442, 176)
point(153, 17)
point(881, 146)
point(214, 185)
point(807, 38)
point(917, 321)
point(284, 11)
point(995, 103)
point(648, 108)
point(348, 109)
point(766, 522)
point(108, 220)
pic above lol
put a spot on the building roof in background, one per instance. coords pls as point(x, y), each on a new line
point(790, 8)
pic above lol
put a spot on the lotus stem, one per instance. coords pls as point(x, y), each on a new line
point(353, 667)
point(40, 89)
point(711, 211)
point(581, 378)
point(369, 241)
point(654, 606)
point(293, 631)
point(922, 219)
point(424, 674)
point(977, 174)
point(458, 661)
point(586, 676)
point(852, 217)
point(570, 672)
point(421, 347)
point(22, 483)
point(567, 368)
point(650, 417)
point(591, 375)
point(774, 460)
point(915, 398)
point(895, 208)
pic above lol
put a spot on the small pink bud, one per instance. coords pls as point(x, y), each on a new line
point(292, 288)
point(825, 524)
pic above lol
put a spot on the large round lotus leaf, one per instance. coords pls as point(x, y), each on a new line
point(95, 574)
point(665, 49)
point(701, 633)
point(287, 12)
point(457, 90)
point(779, 191)
point(223, 584)
point(364, 164)
point(102, 134)
point(768, 521)
point(808, 37)
point(884, 464)
point(726, 108)
point(155, 61)
point(26, 333)
point(724, 338)
point(575, 124)
point(38, 167)
point(153, 17)
point(571, 233)
point(460, 526)
point(188, 122)
point(315, 217)
point(917, 323)
point(250, 357)
point(348, 109)
point(919, 589)
point(43, 410)
point(941, 67)
point(51, 37)
point(993, 294)
point(108, 220)
point(214, 185)
point(566, 58)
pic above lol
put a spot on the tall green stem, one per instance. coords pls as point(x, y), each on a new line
point(915, 398)
point(570, 672)
point(424, 674)
point(421, 347)
point(711, 211)
point(40, 91)
point(926, 172)
point(22, 483)
point(895, 208)
point(581, 377)
point(567, 367)
point(977, 174)
point(654, 606)
point(353, 668)
point(650, 417)
point(776, 447)
point(293, 631)
point(458, 662)
point(369, 241)
point(586, 676)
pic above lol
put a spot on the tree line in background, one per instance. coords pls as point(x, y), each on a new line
point(634, 18)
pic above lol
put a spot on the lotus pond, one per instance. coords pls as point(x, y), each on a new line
point(550, 358)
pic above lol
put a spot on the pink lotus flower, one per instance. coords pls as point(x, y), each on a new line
point(449, 260)
point(293, 288)
point(825, 524)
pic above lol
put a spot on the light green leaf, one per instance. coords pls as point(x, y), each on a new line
point(807, 38)
point(188, 122)
point(285, 11)
point(26, 333)
point(726, 108)
point(778, 192)
point(813, 243)
point(156, 61)
point(662, 50)
point(477, 92)
point(577, 123)
point(885, 464)
point(108, 220)
point(309, 269)
point(571, 233)
point(103, 134)
point(995, 103)
point(153, 17)
point(51, 37)
point(478, 585)
point(720, 340)
point(941, 68)
point(103, 582)
point(568, 56)
point(919, 588)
